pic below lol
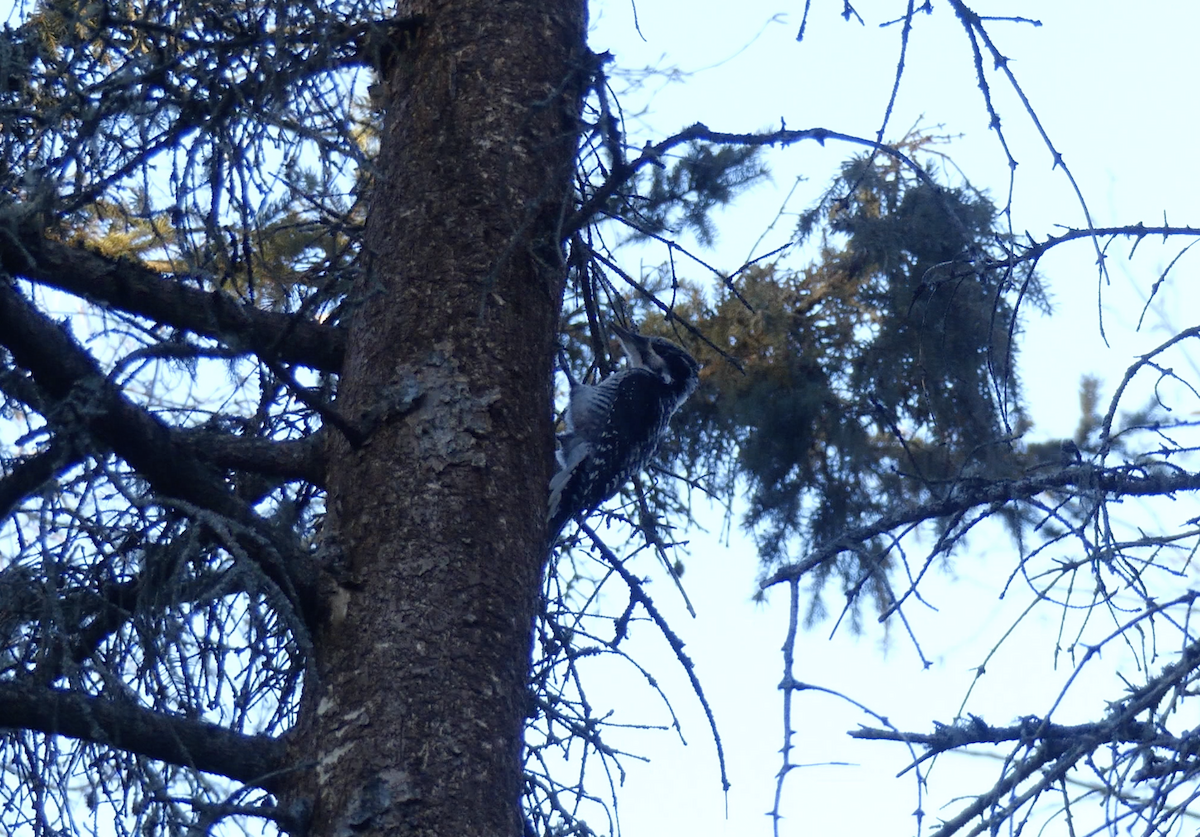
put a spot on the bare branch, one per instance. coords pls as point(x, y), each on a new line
point(968, 494)
point(1035, 250)
point(254, 759)
point(70, 376)
point(138, 290)
point(623, 172)
point(289, 459)
point(30, 474)
point(1031, 728)
point(637, 593)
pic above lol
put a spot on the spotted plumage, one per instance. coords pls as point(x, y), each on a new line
point(614, 427)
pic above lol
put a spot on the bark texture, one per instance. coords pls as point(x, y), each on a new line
point(414, 724)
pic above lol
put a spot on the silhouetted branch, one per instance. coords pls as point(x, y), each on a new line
point(1033, 251)
point(967, 494)
point(30, 474)
point(138, 290)
point(637, 593)
point(254, 759)
point(1051, 750)
point(68, 375)
point(289, 459)
point(975, 731)
point(625, 171)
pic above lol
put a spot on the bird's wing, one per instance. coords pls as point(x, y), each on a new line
point(591, 406)
point(571, 457)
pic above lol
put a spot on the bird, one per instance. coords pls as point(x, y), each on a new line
point(614, 427)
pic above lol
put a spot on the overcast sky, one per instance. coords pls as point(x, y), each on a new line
point(1112, 83)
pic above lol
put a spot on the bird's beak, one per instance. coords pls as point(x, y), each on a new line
point(636, 346)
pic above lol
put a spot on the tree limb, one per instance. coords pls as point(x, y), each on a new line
point(1055, 749)
point(131, 287)
point(30, 474)
point(1035, 250)
point(62, 370)
point(290, 459)
point(1030, 729)
point(968, 494)
point(622, 172)
point(69, 376)
point(253, 759)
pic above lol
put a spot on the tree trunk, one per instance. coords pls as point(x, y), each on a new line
point(414, 725)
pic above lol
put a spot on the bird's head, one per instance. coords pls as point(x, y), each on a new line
point(678, 369)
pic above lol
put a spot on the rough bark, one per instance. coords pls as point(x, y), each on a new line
point(414, 721)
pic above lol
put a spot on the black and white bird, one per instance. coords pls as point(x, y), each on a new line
point(614, 427)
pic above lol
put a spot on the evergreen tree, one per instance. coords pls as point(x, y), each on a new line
point(284, 291)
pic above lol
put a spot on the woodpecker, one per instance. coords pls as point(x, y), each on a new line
point(614, 427)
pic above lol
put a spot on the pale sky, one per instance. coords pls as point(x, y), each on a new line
point(1111, 83)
